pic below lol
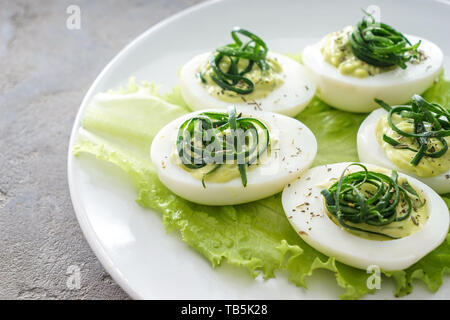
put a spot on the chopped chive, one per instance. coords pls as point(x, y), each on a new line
point(254, 50)
point(380, 45)
point(430, 120)
point(249, 140)
point(348, 199)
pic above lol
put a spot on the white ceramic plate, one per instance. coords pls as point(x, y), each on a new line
point(130, 241)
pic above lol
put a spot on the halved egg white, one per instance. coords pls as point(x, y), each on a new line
point(317, 229)
point(291, 97)
point(357, 94)
point(370, 151)
point(292, 152)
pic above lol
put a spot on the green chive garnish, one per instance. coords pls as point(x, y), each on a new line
point(254, 50)
point(380, 45)
point(430, 120)
point(368, 197)
point(235, 140)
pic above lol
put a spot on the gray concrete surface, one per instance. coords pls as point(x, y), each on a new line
point(45, 70)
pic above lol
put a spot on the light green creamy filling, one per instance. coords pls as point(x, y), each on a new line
point(336, 50)
point(225, 173)
point(427, 167)
point(264, 81)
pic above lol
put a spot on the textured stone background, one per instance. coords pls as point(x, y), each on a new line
point(45, 70)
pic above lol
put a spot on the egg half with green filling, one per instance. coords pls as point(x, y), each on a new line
point(365, 215)
point(357, 64)
point(218, 157)
point(411, 138)
point(248, 75)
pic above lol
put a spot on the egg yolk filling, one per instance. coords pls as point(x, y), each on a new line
point(264, 80)
point(336, 50)
point(415, 138)
point(219, 147)
point(241, 70)
point(375, 205)
point(369, 48)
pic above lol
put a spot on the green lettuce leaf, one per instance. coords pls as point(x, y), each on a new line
point(119, 126)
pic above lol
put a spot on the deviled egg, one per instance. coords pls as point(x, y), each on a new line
point(214, 157)
point(248, 75)
point(410, 138)
point(365, 215)
point(353, 66)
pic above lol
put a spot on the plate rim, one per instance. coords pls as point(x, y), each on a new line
point(80, 211)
